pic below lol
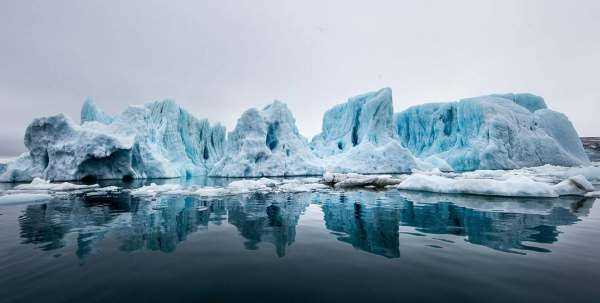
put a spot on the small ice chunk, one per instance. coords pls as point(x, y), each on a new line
point(262, 183)
point(358, 180)
point(153, 189)
point(593, 194)
point(108, 189)
point(300, 187)
point(41, 184)
point(574, 186)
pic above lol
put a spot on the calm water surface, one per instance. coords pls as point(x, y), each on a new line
point(356, 246)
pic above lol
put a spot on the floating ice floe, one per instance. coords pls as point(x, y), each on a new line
point(154, 189)
point(41, 184)
point(40, 189)
point(513, 186)
point(104, 191)
point(357, 180)
point(239, 187)
point(503, 185)
point(545, 174)
point(593, 194)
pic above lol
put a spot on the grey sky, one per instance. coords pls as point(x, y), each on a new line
point(218, 58)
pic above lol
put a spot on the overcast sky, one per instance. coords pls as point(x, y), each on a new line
point(218, 58)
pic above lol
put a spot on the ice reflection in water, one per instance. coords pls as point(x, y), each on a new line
point(369, 221)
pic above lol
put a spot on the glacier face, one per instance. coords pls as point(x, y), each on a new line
point(358, 136)
point(267, 143)
point(491, 132)
point(156, 140)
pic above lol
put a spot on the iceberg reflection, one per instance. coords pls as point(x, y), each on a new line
point(369, 221)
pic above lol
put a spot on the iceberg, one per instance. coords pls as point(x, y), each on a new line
point(169, 141)
point(4, 163)
point(91, 112)
point(491, 132)
point(359, 136)
point(59, 149)
point(267, 143)
point(363, 135)
point(156, 140)
point(592, 147)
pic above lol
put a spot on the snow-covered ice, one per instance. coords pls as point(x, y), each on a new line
point(40, 189)
point(546, 173)
point(371, 159)
point(349, 180)
point(41, 184)
point(512, 186)
point(154, 189)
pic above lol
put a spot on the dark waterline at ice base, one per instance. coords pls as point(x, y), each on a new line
point(352, 246)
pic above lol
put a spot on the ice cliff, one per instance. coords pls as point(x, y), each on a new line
point(267, 143)
point(169, 141)
point(162, 140)
point(156, 140)
point(491, 132)
point(359, 136)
